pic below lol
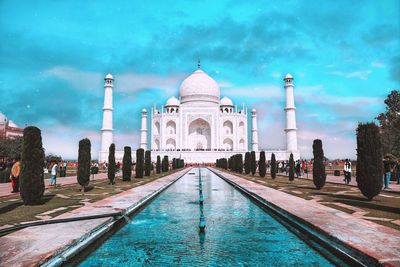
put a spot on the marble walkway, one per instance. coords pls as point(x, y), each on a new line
point(35, 245)
point(377, 241)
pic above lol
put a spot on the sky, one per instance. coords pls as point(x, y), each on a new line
point(344, 56)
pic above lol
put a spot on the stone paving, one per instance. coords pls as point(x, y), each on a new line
point(39, 243)
point(377, 241)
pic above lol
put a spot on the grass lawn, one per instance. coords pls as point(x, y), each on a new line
point(65, 198)
point(384, 209)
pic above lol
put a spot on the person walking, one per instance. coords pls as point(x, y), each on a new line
point(14, 175)
point(347, 171)
point(387, 166)
point(54, 171)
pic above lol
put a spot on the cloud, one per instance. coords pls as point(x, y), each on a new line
point(377, 64)
point(395, 68)
point(362, 74)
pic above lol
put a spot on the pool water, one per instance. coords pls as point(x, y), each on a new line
point(238, 232)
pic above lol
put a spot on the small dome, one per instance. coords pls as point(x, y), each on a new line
point(225, 101)
point(109, 77)
point(144, 110)
point(288, 76)
point(3, 119)
point(173, 101)
point(254, 110)
point(199, 87)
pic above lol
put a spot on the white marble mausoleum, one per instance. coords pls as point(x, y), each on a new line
point(198, 125)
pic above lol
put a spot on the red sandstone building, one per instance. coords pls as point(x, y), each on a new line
point(8, 129)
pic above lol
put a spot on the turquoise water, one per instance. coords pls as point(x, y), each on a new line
point(238, 232)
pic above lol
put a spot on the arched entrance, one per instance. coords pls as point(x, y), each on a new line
point(199, 135)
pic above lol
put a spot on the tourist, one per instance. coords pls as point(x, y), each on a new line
point(387, 166)
point(14, 175)
point(347, 171)
point(54, 170)
point(298, 169)
point(398, 171)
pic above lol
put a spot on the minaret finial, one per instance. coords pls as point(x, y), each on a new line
point(198, 63)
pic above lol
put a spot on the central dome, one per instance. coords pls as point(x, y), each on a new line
point(199, 87)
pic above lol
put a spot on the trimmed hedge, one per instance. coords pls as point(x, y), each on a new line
point(247, 163)
point(147, 163)
point(32, 164)
point(262, 168)
point(127, 164)
point(369, 160)
point(139, 163)
point(84, 158)
point(319, 175)
point(291, 167)
point(158, 164)
point(253, 162)
point(111, 164)
point(273, 166)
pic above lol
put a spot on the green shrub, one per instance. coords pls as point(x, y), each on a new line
point(32, 164)
point(111, 164)
point(139, 163)
point(336, 173)
point(262, 168)
point(127, 164)
point(273, 166)
point(147, 163)
point(84, 159)
point(369, 160)
point(319, 175)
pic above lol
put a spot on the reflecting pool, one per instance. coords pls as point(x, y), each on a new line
point(238, 232)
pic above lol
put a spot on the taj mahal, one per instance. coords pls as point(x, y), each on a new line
point(199, 126)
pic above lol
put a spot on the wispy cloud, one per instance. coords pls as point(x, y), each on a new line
point(362, 74)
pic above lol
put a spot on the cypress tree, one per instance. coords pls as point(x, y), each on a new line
point(139, 163)
point(319, 175)
point(247, 164)
point(165, 164)
point(273, 166)
point(291, 167)
point(32, 164)
point(239, 163)
point(127, 164)
point(147, 163)
point(262, 168)
point(111, 164)
point(253, 162)
point(158, 164)
point(369, 160)
point(84, 158)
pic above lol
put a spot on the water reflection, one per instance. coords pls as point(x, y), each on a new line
point(166, 233)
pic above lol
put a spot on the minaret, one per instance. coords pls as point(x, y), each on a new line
point(290, 109)
point(143, 131)
point(254, 134)
point(107, 129)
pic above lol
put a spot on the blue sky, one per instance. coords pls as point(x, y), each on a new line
point(344, 56)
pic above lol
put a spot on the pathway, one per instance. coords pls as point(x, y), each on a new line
point(378, 242)
point(35, 245)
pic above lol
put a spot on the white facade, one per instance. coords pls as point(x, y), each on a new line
point(200, 126)
point(199, 123)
